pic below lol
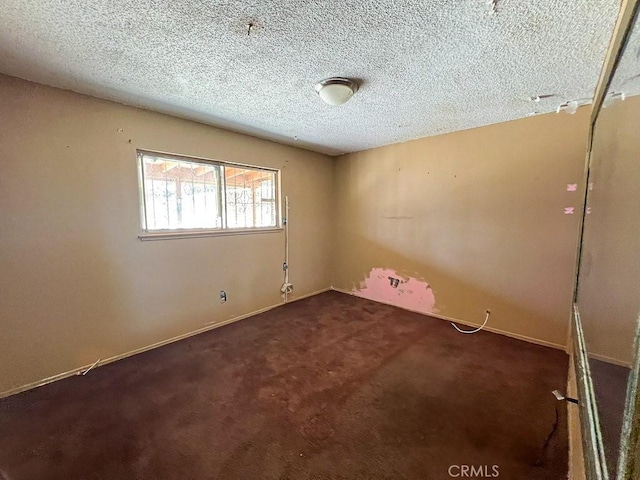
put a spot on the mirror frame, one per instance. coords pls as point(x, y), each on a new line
point(592, 447)
point(628, 467)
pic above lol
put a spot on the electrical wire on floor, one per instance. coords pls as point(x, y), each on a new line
point(475, 329)
point(84, 372)
point(547, 441)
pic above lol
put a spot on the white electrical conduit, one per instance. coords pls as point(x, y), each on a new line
point(475, 329)
point(286, 288)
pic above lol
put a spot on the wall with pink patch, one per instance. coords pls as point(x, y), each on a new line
point(457, 224)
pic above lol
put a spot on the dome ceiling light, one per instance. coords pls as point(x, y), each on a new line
point(336, 90)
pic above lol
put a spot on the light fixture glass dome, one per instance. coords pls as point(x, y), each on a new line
point(336, 91)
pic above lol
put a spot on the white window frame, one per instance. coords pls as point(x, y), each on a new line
point(177, 233)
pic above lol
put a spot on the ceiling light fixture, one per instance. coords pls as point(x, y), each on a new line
point(336, 90)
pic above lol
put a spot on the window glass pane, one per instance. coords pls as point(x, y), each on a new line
point(251, 197)
point(181, 194)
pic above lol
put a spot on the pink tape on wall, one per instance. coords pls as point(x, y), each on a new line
point(387, 286)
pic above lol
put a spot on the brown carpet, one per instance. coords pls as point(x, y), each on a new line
point(331, 387)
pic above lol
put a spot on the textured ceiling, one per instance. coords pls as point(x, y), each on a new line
point(626, 79)
point(425, 67)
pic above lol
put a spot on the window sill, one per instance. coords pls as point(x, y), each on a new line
point(176, 235)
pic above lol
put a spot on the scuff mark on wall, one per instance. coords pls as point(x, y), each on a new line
point(410, 292)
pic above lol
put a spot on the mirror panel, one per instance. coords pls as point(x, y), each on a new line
point(608, 294)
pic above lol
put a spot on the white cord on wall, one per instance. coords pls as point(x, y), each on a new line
point(475, 329)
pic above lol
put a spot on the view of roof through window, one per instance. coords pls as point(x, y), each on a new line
point(191, 194)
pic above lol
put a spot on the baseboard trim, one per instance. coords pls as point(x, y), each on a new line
point(206, 328)
point(307, 295)
point(614, 361)
point(517, 336)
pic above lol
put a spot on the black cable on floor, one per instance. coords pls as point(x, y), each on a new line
point(545, 445)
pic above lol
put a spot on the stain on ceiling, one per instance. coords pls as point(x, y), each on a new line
point(424, 67)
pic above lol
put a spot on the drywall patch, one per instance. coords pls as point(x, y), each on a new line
point(408, 292)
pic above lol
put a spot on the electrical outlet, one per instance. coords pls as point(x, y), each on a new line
point(223, 296)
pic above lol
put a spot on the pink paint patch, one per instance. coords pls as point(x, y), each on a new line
point(410, 293)
point(569, 210)
point(572, 187)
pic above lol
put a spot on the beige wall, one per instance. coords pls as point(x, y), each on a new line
point(609, 293)
point(477, 215)
point(76, 284)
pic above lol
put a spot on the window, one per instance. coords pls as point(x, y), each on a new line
point(187, 195)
